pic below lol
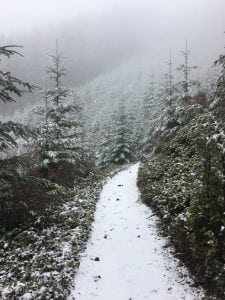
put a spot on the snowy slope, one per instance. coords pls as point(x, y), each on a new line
point(125, 258)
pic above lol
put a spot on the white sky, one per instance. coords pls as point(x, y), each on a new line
point(110, 29)
point(23, 15)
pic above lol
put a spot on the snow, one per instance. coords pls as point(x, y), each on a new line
point(66, 249)
point(27, 296)
point(125, 257)
point(42, 262)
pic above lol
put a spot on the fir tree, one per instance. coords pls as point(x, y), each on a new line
point(11, 86)
point(218, 104)
point(136, 125)
point(170, 93)
point(21, 195)
point(116, 148)
point(60, 133)
point(148, 103)
point(153, 106)
point(187, 83)
point(169, 82)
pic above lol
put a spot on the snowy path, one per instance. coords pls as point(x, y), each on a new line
point(125, 258)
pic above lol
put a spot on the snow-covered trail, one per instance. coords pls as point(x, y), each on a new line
point(125, 258)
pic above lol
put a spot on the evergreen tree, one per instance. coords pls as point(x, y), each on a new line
point(169, 83)
point(21, 194)
point(11, 86)
point(148, 104)
point(136, 125)
point(116, 148)
point(218, 104)
point(149, 109)
point(170, 93)
point(60, 134)
point(187, 83)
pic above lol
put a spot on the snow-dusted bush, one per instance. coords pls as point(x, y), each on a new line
point(183, 180)
point(40, 262)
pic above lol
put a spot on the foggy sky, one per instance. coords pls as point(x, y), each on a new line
point(23, 15)
point(98, 35)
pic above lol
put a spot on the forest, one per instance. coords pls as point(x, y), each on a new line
point(179, 125)
point(58, 152)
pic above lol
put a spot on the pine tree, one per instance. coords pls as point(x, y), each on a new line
point(153, 106)
point(136, 125)
point(169, 82)
point(148, 102)
point(11, 86)
point(61, 131)
point(148, 108)
point(170, 89)
point(218, 104)
point(116, 147)
point(170, 93)
point(187, 83)
point(21, 195)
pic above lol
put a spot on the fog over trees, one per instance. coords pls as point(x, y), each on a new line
point(97, 38)
point(95, 89)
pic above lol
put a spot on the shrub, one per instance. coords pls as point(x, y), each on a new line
point(183, 181)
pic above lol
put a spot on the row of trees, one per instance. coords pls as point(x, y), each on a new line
point(32, 182)
point(189, 195)
point(66, 139)
point(58, 146)
point(131, 124)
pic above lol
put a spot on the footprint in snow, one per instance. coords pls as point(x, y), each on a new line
point(153, 291)
point(96, 278)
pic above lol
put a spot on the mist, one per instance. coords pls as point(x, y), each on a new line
point(99, 36)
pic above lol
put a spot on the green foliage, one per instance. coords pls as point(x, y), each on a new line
point(187, 85)
point(47, 255)
point(220, 91)
point(218, 104)
point(10, 131)
point(116, 148)
point(183, 180)
point(10, 85)
point(59, 139)
point(23, 197)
